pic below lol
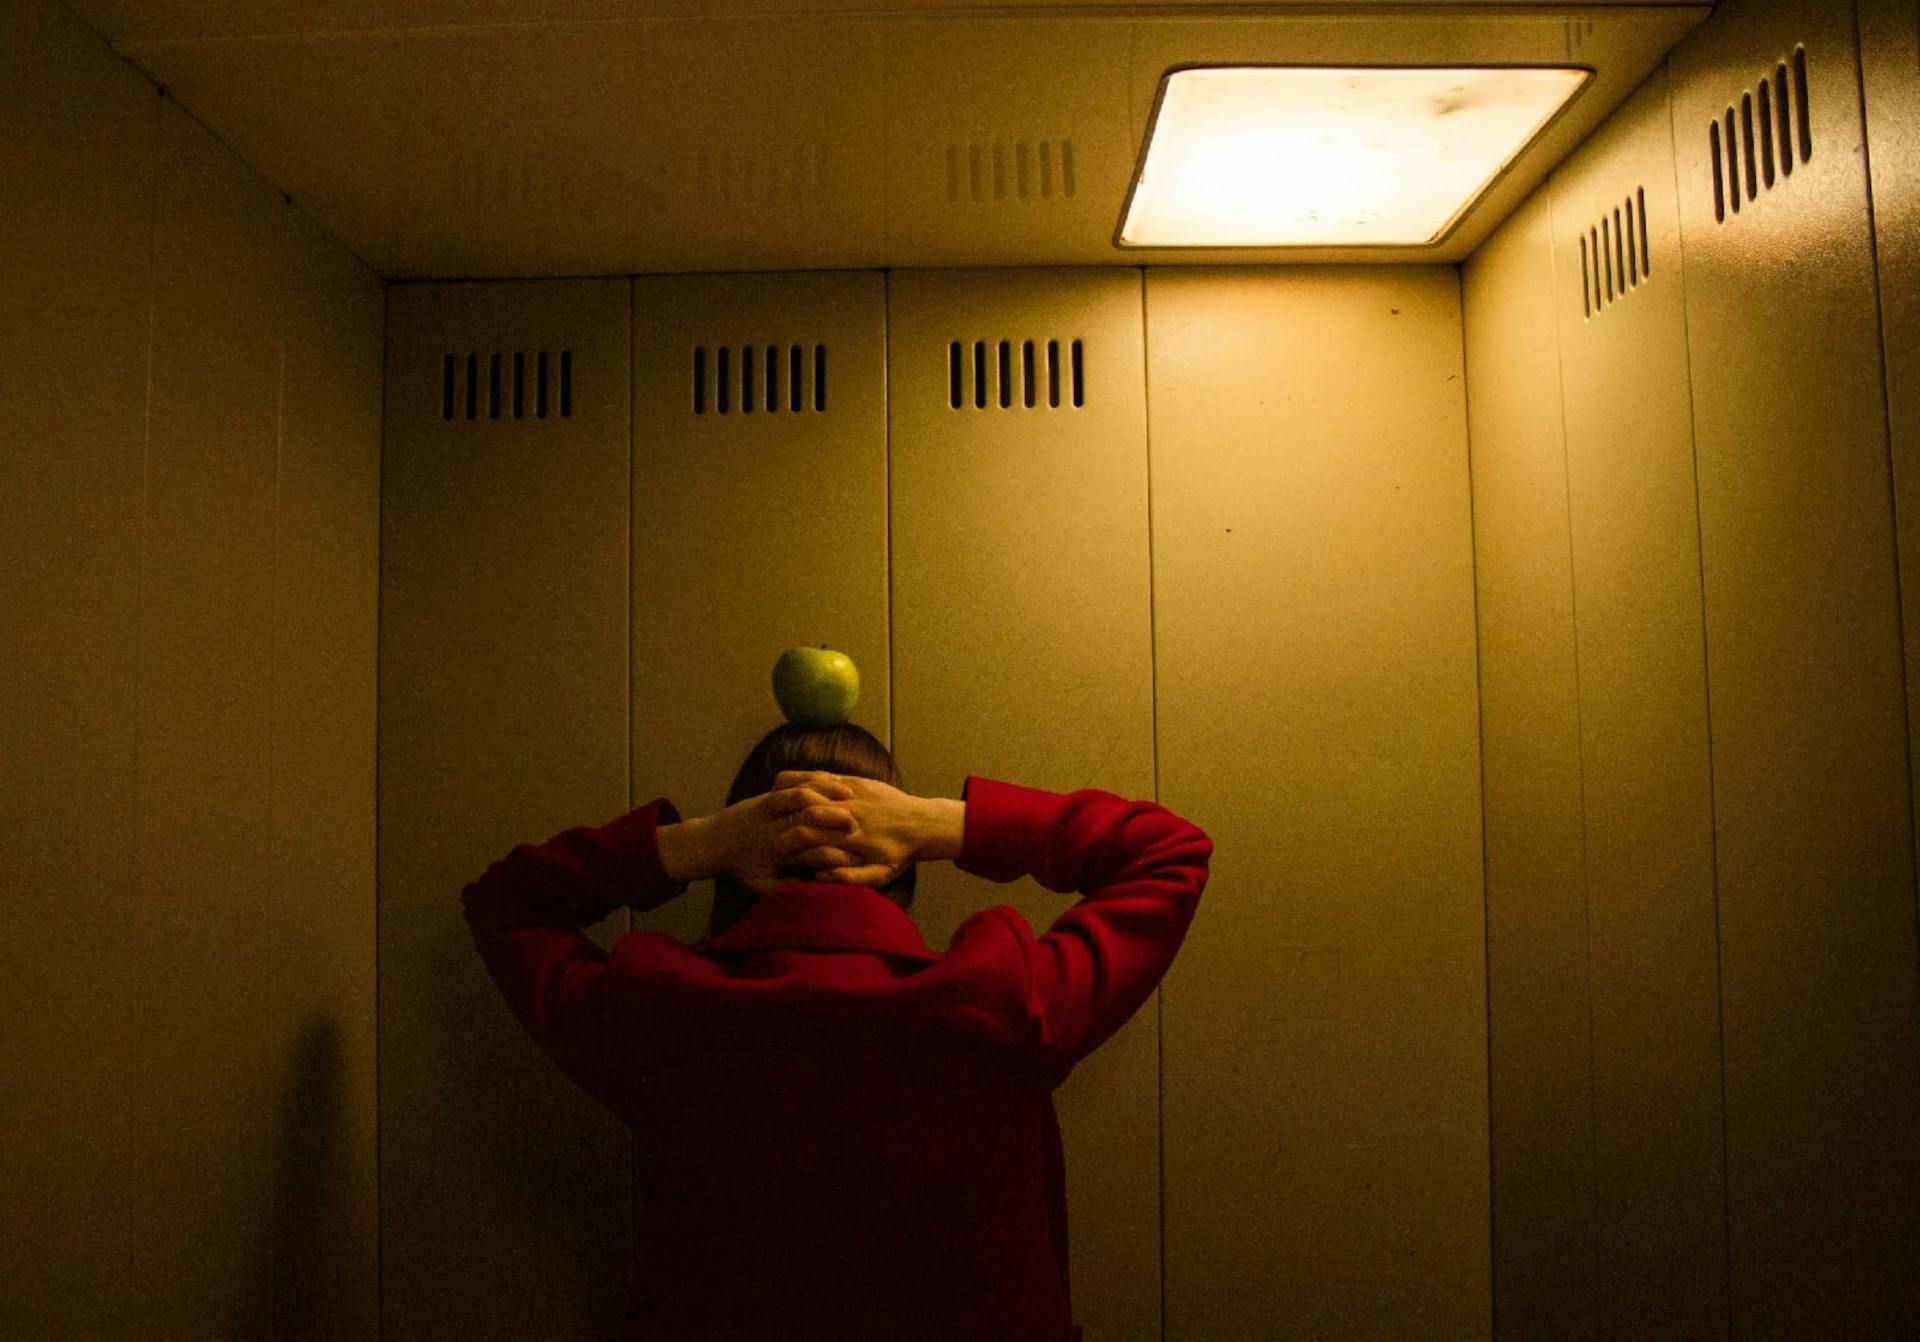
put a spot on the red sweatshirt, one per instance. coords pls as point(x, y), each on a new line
point(840, 1134)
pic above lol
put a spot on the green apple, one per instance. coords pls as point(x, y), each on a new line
point(816, 687)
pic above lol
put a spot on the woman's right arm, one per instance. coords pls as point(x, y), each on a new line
point(943, 828)
point(1139, 868)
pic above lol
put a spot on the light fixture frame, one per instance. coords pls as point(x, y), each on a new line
point(1440, 240)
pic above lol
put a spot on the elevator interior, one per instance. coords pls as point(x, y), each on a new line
point(424, 426)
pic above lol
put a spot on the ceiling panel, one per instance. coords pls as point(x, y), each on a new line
point(796, 141)
point(154, 20)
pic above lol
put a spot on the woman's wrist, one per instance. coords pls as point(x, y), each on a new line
point(943, 828)
point(686, 849)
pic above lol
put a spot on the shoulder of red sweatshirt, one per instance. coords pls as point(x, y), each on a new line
point(1138, 868)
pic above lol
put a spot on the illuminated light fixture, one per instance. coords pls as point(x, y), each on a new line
point(1318, 156)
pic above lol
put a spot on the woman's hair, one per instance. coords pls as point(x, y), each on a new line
point(844, 749)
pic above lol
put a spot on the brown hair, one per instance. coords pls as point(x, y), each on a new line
point(844, 749)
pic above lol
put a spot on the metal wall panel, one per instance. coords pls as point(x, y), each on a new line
point(75, 279)
point(1811, 768)
point(202, 895)
point(190, 500)
point(1652, 953)
point(1325, 1083)
point(504, 1189)
point(242, 1076)
point(1022, 646)
point(754, 530)
point(325, 1244)
point(1539, 1002)
point(1890, 72)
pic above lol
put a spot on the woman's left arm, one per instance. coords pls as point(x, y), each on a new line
point(527, 910)
point(526, 913)
point(688, 851)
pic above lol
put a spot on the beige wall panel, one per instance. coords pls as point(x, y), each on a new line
point(1653, 935)
point(74, 272)
point(199, 1139)
point(1890, 68)
point(504, 1188)
point(206, 1069)
point(1022, 647)
point(754, 531)
point(325, 1243)
point(1813, 811)
point(1538, 996)
point(1325, 1043)
point(188, 19)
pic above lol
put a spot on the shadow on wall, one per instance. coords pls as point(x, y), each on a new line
point(545, 1164)
point(299, 1288)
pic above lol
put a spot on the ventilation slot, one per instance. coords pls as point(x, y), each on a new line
point(1614, 257)
point(1024, 169)
point(769, 380)
point(768, 176)
point(1017, 372)
point(461, 378)
point(1754, 147)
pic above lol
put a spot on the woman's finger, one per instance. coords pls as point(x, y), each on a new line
point(803, 808)
point(827, 784)
point(822, 857)
point(793, 801)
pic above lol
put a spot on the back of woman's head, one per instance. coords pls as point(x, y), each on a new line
point(843, 749)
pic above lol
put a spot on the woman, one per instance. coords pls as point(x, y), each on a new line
point(842, 1134)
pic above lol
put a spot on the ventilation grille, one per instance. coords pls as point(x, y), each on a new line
point(1614, 257)
point(1026, 169)
point(1744, 155)
point(501, 396)
point(794, 175)
point(500, 177)
point(1027, 377)
point(804, 380)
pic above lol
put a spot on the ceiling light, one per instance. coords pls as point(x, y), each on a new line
point(1315, 156)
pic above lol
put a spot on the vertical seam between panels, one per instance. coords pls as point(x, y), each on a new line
point(1886, 418)
point(1706, 685)
point(282, 317)
point(380, 502)
point(1597, 1296)
point(633, 429)
point(140, 577)
point(886, 413)
point(1480, 723)
point(1153, 704)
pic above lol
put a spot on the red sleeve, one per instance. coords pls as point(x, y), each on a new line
point(526, 913)
point(1140, 868)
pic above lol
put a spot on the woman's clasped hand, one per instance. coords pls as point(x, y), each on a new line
point(853, 830)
